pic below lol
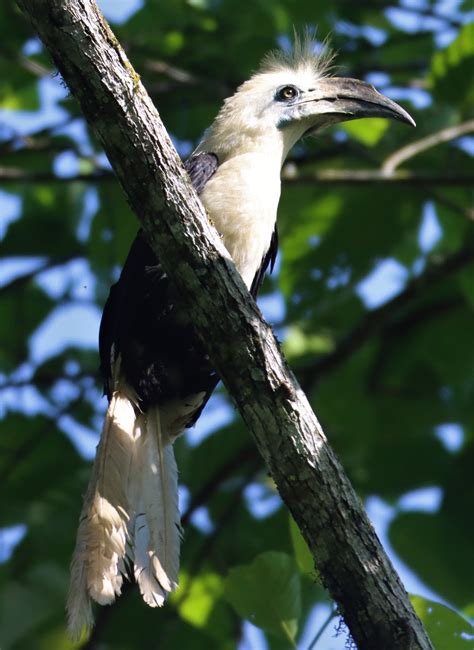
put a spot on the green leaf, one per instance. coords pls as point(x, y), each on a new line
point(255, 535)
point(267, 592)
point(466, 282)
point(303, 556)
point(445, 627)
point(25, 308)
point(48, 222)
point(198, 464)
point(201, 594)
point(30, 601)
point(451, 69)
point(298, 344)
point(438, 548)
point(369, 132)
point(15, 99)
point(203, 607)
point(40, 456)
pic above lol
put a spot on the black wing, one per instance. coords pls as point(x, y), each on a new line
point(137, 312)
point(141, 276)
point(268, 260)
point(200, 169)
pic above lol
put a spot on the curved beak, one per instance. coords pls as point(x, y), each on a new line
point(342, 99)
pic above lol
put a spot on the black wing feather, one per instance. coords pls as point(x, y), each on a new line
point(136, 316)
point(200, 169)
point(268, 260)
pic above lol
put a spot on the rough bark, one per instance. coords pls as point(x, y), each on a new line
point(347, 554)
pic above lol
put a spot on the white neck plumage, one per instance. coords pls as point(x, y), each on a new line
point(242, 196)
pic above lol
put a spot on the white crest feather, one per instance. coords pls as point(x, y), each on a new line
point(306, 53)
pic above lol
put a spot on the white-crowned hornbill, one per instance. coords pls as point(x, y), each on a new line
point(157, 377)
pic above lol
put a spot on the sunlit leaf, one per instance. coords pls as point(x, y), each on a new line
point(200, 604)
point(24, 99)
point(451, 68)
point(369, 132)
point(303, 555)
point(267, 593)
point(446, 628)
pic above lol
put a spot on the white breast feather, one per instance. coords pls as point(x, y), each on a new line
point(241, 200)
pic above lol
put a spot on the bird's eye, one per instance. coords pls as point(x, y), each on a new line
point(287, 93)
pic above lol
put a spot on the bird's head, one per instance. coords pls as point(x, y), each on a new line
point(291, 96)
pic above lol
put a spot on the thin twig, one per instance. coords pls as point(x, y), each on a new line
point(20, 281)
point(29, 446)
point(222, 473)
point(376, 177)
point(404, 326)
point(46, 380)
point(331, 617)
point(414, 148)
point(466, 213)
point(289, 176)
point(17, 175)
point(36, 68)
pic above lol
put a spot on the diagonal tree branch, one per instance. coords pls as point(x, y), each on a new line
point(414, 148)
point(25, 278)
point(377, 320)
point(290, 176)
point(347, 553)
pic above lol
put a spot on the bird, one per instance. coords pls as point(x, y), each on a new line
point(157, 376)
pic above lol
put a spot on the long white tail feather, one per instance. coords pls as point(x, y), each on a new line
point(102, 533)
point(156, 534)
point(130, 515)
